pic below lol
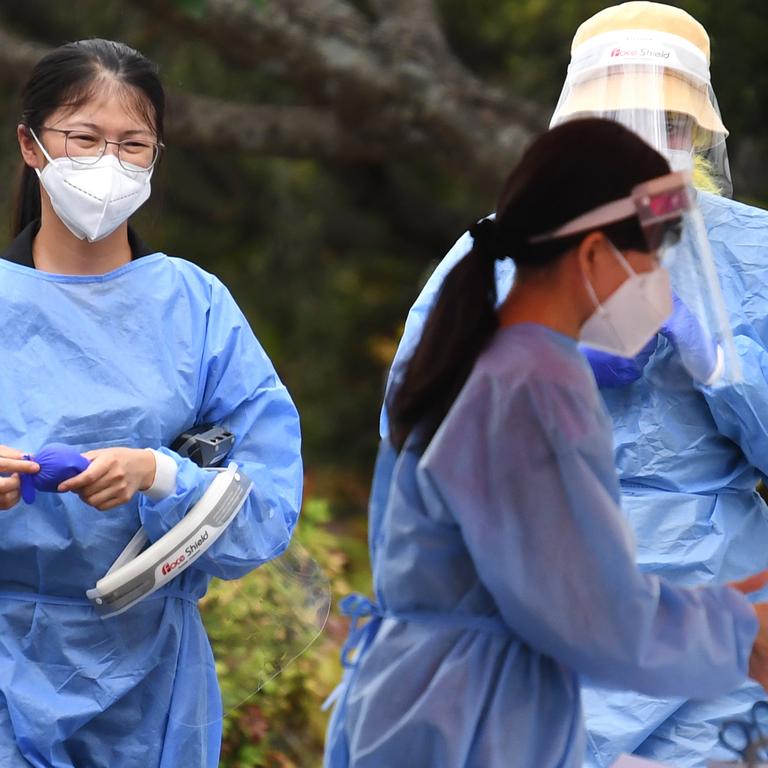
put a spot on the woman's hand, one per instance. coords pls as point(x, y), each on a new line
point(12, 463)
point(758, 659)
point(113, 477)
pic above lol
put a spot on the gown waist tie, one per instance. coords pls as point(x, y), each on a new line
point(358, 606)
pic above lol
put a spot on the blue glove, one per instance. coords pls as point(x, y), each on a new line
point(614, 371)
point(58, 462)
point(700, 355)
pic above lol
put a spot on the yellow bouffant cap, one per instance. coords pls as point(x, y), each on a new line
point(667, 53)
point(641, 14)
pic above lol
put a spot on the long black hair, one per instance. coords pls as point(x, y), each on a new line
point(566, 172)
point(68, 77)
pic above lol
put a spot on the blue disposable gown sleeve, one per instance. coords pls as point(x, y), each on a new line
point(529, 479)
point(239, 389)
point(739, 238)
point(741, 410)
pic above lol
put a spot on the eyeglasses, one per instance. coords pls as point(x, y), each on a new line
point(86, 148)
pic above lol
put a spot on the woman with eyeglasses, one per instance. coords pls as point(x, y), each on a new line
point(113, 349)
point(503, 567)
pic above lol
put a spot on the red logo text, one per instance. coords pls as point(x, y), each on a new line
point(171, 564)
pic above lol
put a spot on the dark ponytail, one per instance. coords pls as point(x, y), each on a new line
point(461, 322)
point(68, 77)
point(567, 171)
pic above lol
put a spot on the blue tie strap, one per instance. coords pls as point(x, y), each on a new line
point(357, 607)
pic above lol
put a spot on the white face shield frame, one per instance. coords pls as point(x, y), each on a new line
point(658, 85)
point(138, 572)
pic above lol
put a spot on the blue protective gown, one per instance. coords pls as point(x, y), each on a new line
point(688, 460)
point(503, 570)
point(129, 358)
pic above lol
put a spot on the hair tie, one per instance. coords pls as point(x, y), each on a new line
point(485, 233)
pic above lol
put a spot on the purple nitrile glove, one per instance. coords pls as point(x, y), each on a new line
point(699, 353)
point(614, 371)
point(58, 462)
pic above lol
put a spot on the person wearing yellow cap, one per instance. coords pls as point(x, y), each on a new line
point(646, 65)
point(689, 450)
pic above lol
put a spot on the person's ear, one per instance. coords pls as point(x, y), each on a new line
point(30, 152)
point(588, 254)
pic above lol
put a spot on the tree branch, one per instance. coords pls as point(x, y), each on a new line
point(19, 56)
point(410, 93)
point(194, 120)
point(297, 132)
point(414, 28)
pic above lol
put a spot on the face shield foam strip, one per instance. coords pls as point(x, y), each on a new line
point(136, 573)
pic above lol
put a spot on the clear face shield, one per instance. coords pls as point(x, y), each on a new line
point(656, 84)
point(257, 625)
point(673, 228)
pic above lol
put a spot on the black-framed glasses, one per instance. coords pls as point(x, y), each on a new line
point(87, 148)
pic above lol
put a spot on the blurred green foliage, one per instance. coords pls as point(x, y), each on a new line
point(325, 259)
point(276, 657)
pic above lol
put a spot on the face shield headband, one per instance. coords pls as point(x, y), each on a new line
point(139, 572)
point(658, 205)
point(640, 48)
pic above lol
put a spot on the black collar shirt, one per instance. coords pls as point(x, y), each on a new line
point(20, 250)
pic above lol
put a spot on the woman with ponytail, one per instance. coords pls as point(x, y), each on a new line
point(502, 564)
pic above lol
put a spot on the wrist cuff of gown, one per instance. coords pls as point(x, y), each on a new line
point(164, 483)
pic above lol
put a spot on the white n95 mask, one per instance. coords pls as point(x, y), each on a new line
point(679, 159)
point(93, 200)
point(628, 319)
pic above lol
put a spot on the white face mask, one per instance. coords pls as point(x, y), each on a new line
point(627, 320)
point(679, 159)
point(93, 200)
